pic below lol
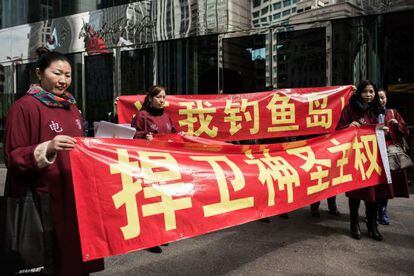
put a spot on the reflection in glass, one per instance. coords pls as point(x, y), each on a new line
point(301, 58)
point(99, 88)
point(244, 63)
point(25, 76)
point(76, 87)
point(136, 71)
point(189, 66)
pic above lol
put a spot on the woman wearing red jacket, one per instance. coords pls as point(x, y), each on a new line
point(364, 108)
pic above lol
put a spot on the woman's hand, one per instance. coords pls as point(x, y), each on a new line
point(60, 142)
point(149, 136)
point(354, 123)
point(393, 121)
point(386, 129)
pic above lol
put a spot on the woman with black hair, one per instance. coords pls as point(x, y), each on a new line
point(152, 120)
point(40, 127)
point(364, 108)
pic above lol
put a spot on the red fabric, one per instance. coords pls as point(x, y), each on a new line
point(259, 115)
point(137, 194)
point(157, 124)
point(380, 191)
point(30, 122)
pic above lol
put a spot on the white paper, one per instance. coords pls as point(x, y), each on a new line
point(383, 151)
point(109, 130)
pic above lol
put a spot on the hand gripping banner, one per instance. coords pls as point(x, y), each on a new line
point(131, 194)
point(278, 113)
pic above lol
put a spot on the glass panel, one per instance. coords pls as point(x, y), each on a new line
point(136, 71)
point(22, 12)
point(301, 58)
point(76, 87)
point(25, 76)
point(188, 66)
point(99, 88)
point(356, 50)
point(244, 62)
point(6, 99)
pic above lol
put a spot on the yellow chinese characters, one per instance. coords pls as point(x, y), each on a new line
point(369, 143)
point(344, 148)
point(275, 168)
point(319, 115)
point(283, 114)
point(306, 153)
point(158, 169)
point(201, 113)
point(226, 204)
point(233, 110)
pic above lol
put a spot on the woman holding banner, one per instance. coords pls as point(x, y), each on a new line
point(152, 120)
point(395, 132)
point(38, 138)
point(364, 108)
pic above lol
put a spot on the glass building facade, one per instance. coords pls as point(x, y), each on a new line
point(199, 47)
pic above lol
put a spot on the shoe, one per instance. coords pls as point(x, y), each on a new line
point(355, 231)
point(155, 249)
point(265, 220)
point(373, 232)
point(382, 216)
point(315, 214)
point(334, 213)
point(165, 244)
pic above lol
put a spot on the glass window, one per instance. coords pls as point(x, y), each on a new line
point(6, 99)
point(277, 6)
point(25, 76)
point(76, 86)
point(294, 10)
point(136, 71)
point(276, 16)
point(99, 88)
point(264, 19)
point(189, 66)
point(286, 12)
point(244, 62)
point(300, 62)
point(295, 1)
point(22, 12)
point(286, 3)
point(256, 14)
point(256, 3)
point(265, 10)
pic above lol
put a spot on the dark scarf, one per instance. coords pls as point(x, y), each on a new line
point(154, 111)
point(50, 99)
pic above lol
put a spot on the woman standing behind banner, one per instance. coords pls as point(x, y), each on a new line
point(396, 130)
point(364, 108)
point(38, 138)
point(152, 120)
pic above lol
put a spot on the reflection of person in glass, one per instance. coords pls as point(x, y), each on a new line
point(152, 120)
point(39, 130)
point(364, 108)
point(396, 130)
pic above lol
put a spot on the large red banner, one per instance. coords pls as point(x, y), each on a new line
point(134, 194)
point(278, 113)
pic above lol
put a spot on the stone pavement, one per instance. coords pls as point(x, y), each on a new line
point(300, 245)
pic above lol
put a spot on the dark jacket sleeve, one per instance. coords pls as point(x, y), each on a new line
point(140, 124)
point(19, 146)
point(345, 119)
point(401, 127)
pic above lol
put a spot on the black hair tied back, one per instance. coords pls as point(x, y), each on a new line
point(46, 58)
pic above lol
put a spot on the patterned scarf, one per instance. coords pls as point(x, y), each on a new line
point(50, 99)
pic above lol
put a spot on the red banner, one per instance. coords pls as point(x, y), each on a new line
point(133, 194)
point(278, 113)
